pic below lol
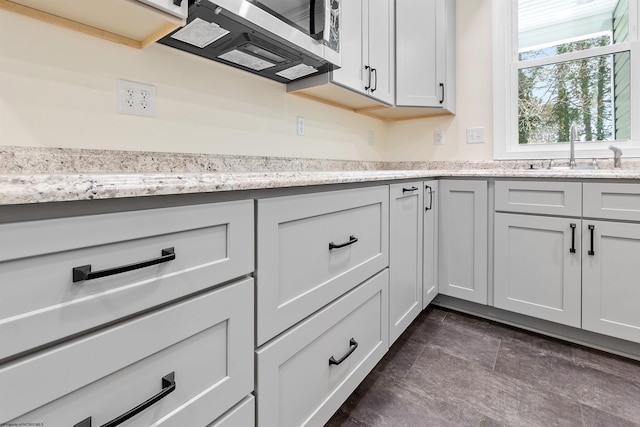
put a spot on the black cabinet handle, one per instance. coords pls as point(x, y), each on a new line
point(428, 208)
point(442, 88)
point(84, 272)
point(406, 190)
point(353, 345)
point(573, 238)
point(168, 386)
point(367, 68)
point(352, 240)
point(375, 70)
point(177, 2)
point(591, 229)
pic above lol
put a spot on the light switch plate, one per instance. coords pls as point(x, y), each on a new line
point(475, 135)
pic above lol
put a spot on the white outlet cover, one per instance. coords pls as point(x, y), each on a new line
point(438, 137)
point(137, 99)
point(300, 126)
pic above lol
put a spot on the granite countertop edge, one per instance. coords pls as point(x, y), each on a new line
point(43, 188)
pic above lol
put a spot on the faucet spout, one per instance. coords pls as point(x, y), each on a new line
point(573, 136)
point(617, 154)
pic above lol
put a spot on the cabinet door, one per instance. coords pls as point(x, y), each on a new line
point(420, 59)
point(381, 49)
point(537, 267)
point(462, 262)
point(610, 279)
point(430, 243)
point(405, 256)
point(353, 44)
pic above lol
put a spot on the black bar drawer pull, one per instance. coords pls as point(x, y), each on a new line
point(406, 190)
point(84, 272)
point(352, 240)
point(442, 88)
point(573, 238)
point(428, 208)
point(353, 345)
point(591, 229)
point(168, 385)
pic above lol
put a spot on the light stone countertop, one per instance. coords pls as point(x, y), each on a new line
point(40, 174)
point(41, 188)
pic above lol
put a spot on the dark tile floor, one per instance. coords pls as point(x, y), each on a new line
point(451, 369)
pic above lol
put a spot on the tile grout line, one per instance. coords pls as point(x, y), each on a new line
point(493, 368)
point(423, 346)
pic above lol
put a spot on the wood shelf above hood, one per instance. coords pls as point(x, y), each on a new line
point(122, 21)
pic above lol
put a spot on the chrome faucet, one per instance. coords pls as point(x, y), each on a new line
point(573, 136)
point(617, 153)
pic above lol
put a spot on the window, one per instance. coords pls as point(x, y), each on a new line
point(558, 62)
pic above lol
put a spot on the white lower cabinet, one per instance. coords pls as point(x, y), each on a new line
point(405, 255)
point(611, 278)
point(577, 271)
point(537, 266)
point(463, 239)
point(195, 357)
point(305, 374)
point(430, 243)
point(127, 262)
point(314, 247)
point(241, 415)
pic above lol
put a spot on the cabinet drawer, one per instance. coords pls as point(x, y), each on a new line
point(546, 198)
point(206, 341)
point(296, 383)
point(299, 271)
point(212, 243)
point(241, 415)
point(612, 201)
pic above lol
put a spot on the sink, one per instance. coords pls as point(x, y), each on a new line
point(562, 169)
point(576, 168)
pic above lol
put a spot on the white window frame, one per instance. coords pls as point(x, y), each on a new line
point(505, 90)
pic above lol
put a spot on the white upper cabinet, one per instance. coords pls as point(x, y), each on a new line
point(425, 60)
point(368, 49)
point(398, 60)
point(133, 23)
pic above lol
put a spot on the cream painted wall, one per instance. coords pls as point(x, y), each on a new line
point(58, 89)
point(413, 139)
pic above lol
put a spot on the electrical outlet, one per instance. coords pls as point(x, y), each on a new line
point(137, 99)
point(371, 137)
point(300, 127)
point(438, 137)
